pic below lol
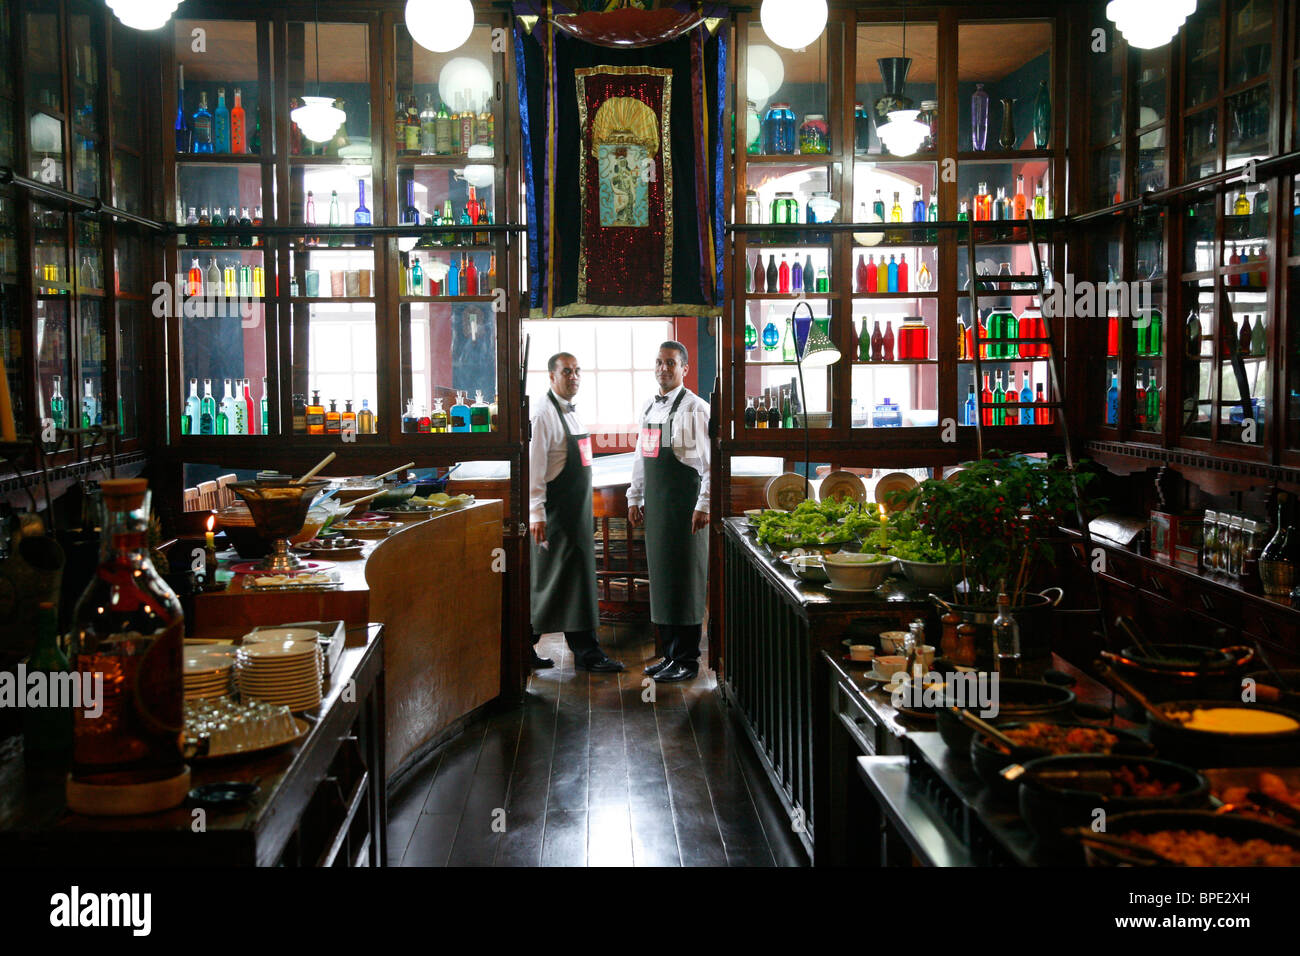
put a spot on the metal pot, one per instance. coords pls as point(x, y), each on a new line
point(1032, 616)
point(1018, 700)
point(1221, 824)
point(1183, 670)
point(989, 761)
point(1048, 807)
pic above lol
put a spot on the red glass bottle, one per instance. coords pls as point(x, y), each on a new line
point(1243, 339)
point(1042, 416)
point(783, 276)
point(984, 337)
point(902, 272)
point(1112, 336)
point(463, 278)
point(760, 275)
point(965, 341)
point(860, 276)
point(247, 399)
point(1140, 402)
point(128, 631)
point(871, 274)
point(986, 397)
point(877, 344)
point(888, 342)
point(471, 277)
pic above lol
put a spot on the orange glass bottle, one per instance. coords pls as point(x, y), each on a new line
point(128, 632)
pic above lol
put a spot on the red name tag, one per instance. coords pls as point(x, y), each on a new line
point(649, 443)
point(584, 450)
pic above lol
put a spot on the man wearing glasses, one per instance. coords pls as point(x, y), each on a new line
point(669, 494)
point(563, 576)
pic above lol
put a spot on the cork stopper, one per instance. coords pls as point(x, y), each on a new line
point(124, 494)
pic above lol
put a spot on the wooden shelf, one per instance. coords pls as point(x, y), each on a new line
point(410, 159)
point(223, 159)
point(448, 298)
point(792, 159)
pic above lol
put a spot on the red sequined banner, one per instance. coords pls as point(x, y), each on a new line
point(626, 187)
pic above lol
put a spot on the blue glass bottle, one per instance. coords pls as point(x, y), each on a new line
point(1026, 398)
point(893, 275)
point(182, 123)
point(453, 281)
point(918, 207)
point(221, 124)
point(969, 418)
point(362, 216)
point(771, 337)
point(459, 414)
point(1112, 400)
point(201, 125)
point(796, 277)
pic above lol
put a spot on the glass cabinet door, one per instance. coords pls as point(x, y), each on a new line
point(84, 83)
point(331, 60)
point(42, 37)
point(1004, 98)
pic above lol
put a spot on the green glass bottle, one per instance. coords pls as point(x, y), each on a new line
point(864, 343)
point(47, 730)
point(787, 341)
point(999, 399)
point(1153, 401)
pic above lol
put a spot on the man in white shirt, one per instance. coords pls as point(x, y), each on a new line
point(563, 578)
point(669, 494)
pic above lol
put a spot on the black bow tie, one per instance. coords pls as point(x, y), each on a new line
point(661, 398)
point(568, 406)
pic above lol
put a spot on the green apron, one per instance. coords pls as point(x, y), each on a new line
point(564, 572)
point(677, 557)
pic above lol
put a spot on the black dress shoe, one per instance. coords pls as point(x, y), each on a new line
point(677, 672)
point(540, 663)
point(602, 665)
point(663, 664)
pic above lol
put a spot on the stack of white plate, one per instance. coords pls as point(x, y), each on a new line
point(207, 672)
point(287, 673)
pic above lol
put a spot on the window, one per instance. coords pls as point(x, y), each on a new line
point(617, 360)
point(343, 355)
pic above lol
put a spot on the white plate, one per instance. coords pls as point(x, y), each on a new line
point(786, 490)
point(875, 675)
point(280, 650)
point(835, 587)
point(268, 634)
point(839, 484)
point(894, 481)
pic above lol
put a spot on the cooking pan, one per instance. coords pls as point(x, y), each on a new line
point(1173, 671)
point(1150, 821)
point(1209, 748)
point(1018, 700)
point(1050, 806)
point(988, 760)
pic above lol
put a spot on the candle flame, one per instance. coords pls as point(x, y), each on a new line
point(212, 522)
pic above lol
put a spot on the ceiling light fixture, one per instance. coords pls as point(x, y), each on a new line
point(904, 133)
point(143, 14)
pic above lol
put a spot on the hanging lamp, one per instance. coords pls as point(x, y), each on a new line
point(440, 25)
point(793, 24)
point(318, 117)
point(1145, 24)
point(904, 133)
point(143, 14)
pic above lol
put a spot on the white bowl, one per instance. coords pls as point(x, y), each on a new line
point(893, 642)
point(858, 571)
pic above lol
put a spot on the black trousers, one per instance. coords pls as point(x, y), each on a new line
point(681, 642)
point(581, 643)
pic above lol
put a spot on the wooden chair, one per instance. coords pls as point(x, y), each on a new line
point(190, 500)
point(207, 496)
point(225, 496)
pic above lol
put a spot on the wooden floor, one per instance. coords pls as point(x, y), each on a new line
point(589, 772)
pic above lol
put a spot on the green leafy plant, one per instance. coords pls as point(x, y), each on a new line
point(995, 516)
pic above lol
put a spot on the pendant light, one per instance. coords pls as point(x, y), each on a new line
point(143, 14)
point(440, 25)
point(318, 117)
point(903, 134)
point(793, 24)
point(1147, 25)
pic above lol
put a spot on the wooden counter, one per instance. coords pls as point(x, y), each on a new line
point(436, 586)
point(321, 802)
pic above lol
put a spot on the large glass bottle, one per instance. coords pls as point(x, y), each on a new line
point(336, 218)
point(221, 124)
point(127, 630)
point(1278, 560)
point(58, 405)
point(238, 125)
point(182, 122)
point(428, 127)
point(201, 125)
point(979, 118)
point(362, 216)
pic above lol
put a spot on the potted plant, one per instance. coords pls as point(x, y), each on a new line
point(997, 515)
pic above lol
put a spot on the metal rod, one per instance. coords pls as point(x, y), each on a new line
point(318, 230)
point(89, 203)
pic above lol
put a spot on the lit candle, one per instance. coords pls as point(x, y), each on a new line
point(210, 539)
point(884, 515)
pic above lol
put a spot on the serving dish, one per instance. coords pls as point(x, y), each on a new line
point(1018, 700)
point(988, 759)
point(842, 484)
point(893, 483)
point(1187, 824)
point(368, 529)
point(334, 547)
point(857, 572)
point(785, 491)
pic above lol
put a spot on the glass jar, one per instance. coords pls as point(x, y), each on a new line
point(914, 340)
point(753, 129)
point(930, 118)
point(1234, 548)
point(1223, 553)
point(814, 134)
point(753, 211)
point(1209, 541)
point(861, 129)
point(785, 209)
point(779, 130)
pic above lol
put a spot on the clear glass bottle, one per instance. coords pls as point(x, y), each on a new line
point(128, 628)
point(1006, 640)
point(58, 405)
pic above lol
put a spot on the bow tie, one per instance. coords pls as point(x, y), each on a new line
point(568, 406)
point(661, 398)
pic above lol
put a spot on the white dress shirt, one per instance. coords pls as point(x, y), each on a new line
point(548, 451)
point(690, 442)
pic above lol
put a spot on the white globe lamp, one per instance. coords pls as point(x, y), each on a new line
point(318, 118)
point(143, 14)
point(440, 25)
point(793, 24)
point(904, 133)
point(461, 74)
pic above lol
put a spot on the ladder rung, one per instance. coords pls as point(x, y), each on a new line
point(1027, 277)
